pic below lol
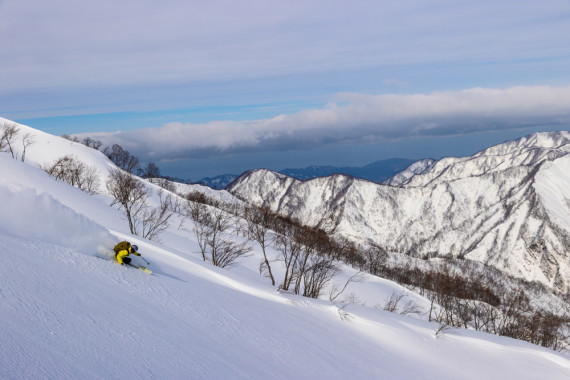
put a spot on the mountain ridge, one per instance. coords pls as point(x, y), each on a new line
point(473, 208)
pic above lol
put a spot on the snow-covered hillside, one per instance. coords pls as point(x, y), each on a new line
point(67, 314)
point(506, 206)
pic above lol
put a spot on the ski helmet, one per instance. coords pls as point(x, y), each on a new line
point(135, 248)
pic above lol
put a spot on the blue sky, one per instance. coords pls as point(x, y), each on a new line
point(206, 88)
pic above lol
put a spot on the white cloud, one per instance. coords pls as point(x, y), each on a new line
point(357, 118)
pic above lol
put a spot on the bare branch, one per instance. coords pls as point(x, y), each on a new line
point(357, 277)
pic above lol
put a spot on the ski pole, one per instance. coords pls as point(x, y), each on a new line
point(147, 263)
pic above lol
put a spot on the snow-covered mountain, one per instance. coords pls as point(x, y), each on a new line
point(507, 206)
point(67, 314)
point(418, 167)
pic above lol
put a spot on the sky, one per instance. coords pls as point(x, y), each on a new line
point(207, 88)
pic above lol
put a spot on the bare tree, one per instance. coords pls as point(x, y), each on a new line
point(482, 315)
point(229, 251)
point(27, 140)
point(122, 158)
point(201, 217)
point(289, 249)
point(151, 170)
point(198, 197)
point(259, 222)
point(313, 241)
point(211, 228)
point(91, 143)
point(72, 139)
point(90, 180)
point(347, 251)
point(224, 251)
point(164, 183)
point(128, 193)
point(8, 133)
point(69, 169)
point(307, 255)
point(320, 271)
point(375, 259)
point(514, 303)
point(393, 305)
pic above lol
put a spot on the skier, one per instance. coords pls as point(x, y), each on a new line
point(123, 249)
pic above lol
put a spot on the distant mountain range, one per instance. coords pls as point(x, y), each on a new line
point(218, 182)
point(378, 171)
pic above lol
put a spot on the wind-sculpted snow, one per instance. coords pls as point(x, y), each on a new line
point(498, 207)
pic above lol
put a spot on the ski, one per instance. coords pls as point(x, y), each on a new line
point(144, 269)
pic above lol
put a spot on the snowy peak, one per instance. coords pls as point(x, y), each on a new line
point(543, 140)
point(527, 151)
point(266, 185)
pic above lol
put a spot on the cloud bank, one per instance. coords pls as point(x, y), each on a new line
point(356, 118)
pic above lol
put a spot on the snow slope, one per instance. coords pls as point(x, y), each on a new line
point(66, 314)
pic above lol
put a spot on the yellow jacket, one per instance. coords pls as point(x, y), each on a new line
point(124, 253)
